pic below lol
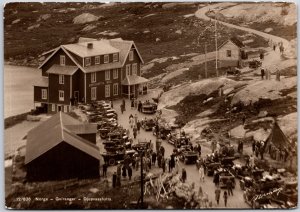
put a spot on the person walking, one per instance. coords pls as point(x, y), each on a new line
point(122, 108)
point(131, 122)
point(225, 196)
point(183, 175)
point(201, 173)
point(134, 131)
point(104, 167)
point(217, 194)
point(129, 172)
point(140, 106)
point(132, 104)
point(229, 187)
point(163, 165)
point(124, 104)
point(172, 161)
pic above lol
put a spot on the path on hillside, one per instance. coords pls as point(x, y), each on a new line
point(201, 14)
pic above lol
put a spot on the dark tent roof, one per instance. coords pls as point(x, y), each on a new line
point(54, 131)
point(278, 138)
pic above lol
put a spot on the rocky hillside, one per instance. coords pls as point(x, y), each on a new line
point(159, 29)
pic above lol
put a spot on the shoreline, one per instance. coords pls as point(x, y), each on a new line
point(33, 64)
point(14, 120)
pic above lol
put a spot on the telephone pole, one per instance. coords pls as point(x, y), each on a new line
point(205, 60)
point(216, 39)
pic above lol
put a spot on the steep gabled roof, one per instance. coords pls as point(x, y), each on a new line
point(54, 131)
point(278, 138)
point(235, 41)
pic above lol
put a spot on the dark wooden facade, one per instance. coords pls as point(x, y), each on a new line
point(59, 163)
point(79, 84)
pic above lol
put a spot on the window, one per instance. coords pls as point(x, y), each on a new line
point(44, 93)
point(93, 77)
point(134, 69)
point(115, 58)
point(115, 73)
point(115, 89)
point(53, 107)
point(97, 60)
point(141, 71)
point(93, 93)
point(106, 58)
point(61, 79)
point(107, 90)
point(228, 53)
point(131, 55)
point(107, 75)
point(61, 95)
point(128, 70)
point(87, 61)
point(62, 60)
point(65, 108)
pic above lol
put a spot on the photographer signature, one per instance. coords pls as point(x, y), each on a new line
point(260, 196)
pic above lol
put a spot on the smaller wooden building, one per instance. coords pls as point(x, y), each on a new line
point(62, 148)
point(230, 53)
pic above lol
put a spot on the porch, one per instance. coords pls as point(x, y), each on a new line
point(133, 86)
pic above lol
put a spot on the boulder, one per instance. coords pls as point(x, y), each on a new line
point(16, 21)
point(268, 30)
point(157, 39)
point(85, 18)
point(88, 28)
point(44, 17)
point(178, 32)
point(33, 26)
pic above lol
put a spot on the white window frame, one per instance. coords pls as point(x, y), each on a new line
point(131, 55)
point(87, 61)
point(62, 60)
point(93, 77)
point(97, 60)
point(115, 73)
point(53, 107)
point(134, 69)
point(115, 88)
point(107, 74)
point(65, 108)
point(141, 71)
point(128, 70)
point(61, 79)
point(107, 90)
point(44, 93)
point(93, 93)
point(106, 58)
point(61, 95)
point(115, 57)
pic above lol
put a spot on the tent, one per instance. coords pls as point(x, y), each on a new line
point(278, 138)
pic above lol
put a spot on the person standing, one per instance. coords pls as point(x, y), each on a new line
point(262, 72)
point(129, 172)
point(140, 106)
point(251, 161)
point(201, 173)
point(122, 108)
point(217, 194)
point(225, 196)
point(216, 179)
point(277, 74)
point(183, 175)
point(111, 104)
point(132, 104)
point(172, 161)
point(104, 167)
point(134, 131)
point(153, 158)
point(114, 180)
point(138, 126)
point(163, 165)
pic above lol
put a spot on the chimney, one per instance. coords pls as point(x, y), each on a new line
point(90, 45)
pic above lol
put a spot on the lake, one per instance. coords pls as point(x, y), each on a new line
point(18, 89)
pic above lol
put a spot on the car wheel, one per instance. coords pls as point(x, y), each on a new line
point(112, 162)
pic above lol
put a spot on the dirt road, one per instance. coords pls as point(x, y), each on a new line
point(235, 201)
point(201, 13)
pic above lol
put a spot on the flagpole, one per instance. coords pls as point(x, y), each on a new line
point(216, 40)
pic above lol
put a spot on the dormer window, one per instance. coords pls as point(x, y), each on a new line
point(115, 57)
point(106, 58)
point(62, 60)
point(87, 61)
point(97, 60)
point(131, 55)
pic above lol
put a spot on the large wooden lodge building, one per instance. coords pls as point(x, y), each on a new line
point(87, 71)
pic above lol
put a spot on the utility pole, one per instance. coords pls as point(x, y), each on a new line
point(216, 39)
point(142, 181)
point(205, 61)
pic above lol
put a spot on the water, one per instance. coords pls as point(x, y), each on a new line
point(18, 89)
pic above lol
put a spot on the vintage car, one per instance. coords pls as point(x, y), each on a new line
point(188, 156)
point(148, 124)
point(255, 64)
point(163, 133)
point(234, 71)
point(250, 180)
point(225, 175)
point(112, 157)
point(149, 108)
